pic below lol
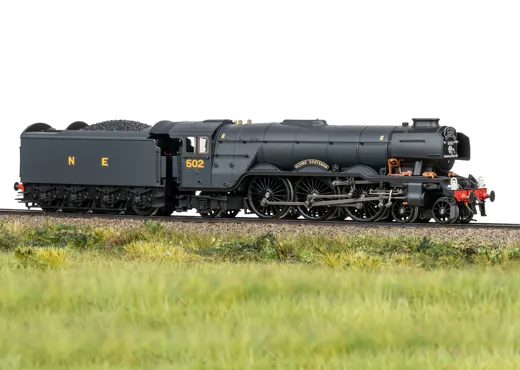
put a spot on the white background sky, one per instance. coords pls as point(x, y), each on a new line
point(348, 62)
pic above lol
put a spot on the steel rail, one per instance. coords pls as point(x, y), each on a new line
point(197, 219)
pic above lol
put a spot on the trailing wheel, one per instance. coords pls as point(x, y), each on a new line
point(441, 211)
point(403, 213)
point(229, 213)
point(209, 213)
point(364, 211)
point(309, 189)
point(214, 213)
point(269, 188)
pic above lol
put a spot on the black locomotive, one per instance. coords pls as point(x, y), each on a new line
point(286, 169)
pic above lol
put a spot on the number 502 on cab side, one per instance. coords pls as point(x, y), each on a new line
point(194, 163)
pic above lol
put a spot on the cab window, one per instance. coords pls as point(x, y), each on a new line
point(190, 144)
point(203, 145)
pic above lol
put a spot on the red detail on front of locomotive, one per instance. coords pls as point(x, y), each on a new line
point(463, 195)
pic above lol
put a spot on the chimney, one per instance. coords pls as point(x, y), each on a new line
point(425, 122)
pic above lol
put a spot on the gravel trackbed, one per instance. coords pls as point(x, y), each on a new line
point(492, 236)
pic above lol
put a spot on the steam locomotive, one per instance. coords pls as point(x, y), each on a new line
point(288, 169)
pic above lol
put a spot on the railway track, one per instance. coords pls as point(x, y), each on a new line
point(196, 219)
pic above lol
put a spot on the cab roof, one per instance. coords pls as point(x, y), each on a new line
point(188, 128)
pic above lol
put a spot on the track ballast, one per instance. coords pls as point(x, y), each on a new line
point(197, 219)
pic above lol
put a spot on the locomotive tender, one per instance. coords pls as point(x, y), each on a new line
point(286, 169)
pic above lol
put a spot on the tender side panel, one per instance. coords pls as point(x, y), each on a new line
point(116, 162)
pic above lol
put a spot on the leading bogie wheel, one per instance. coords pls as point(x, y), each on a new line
point(402, 212)
point(442, 211)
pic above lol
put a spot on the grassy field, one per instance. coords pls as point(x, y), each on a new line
point(146, 299)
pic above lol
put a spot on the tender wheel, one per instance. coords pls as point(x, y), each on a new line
point(120, 212)
point(110, 198)
point(404, 213)
point(145, 211)
point(268, 188)
point(76, 202)
point(364, 211)
point(466, 214)
point(84, 209)
point(52, 207)
point(441, 211)
point(47, 200)
point(307, 186)
point(140, 209)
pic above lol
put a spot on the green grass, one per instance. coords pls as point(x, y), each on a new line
point(44, 246)
point(141, 315)
point(148, 299)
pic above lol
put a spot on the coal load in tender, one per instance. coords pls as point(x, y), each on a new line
point(117, 125)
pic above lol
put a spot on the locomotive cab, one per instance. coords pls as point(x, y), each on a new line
point(192, 162)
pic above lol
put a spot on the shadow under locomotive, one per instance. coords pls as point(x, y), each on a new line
point(289, 169)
